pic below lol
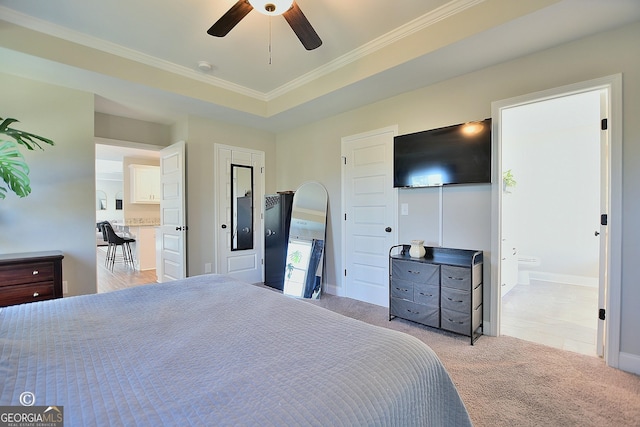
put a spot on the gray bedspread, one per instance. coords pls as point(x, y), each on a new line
point(212, 351)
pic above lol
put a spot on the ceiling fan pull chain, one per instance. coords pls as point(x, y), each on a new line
point(269, 40)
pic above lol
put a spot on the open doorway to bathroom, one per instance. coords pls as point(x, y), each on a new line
point(551, 206)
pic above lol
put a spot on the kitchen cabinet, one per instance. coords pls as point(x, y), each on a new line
point(145, 184)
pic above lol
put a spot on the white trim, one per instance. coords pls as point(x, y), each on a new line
point(629, 362)
point(613, 84)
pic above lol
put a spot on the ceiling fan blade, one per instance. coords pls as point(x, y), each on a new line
point(302, 27)
point(230, 19)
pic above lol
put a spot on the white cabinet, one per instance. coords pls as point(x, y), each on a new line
point(145, 184)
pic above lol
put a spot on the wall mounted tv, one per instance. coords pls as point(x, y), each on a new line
point(458, 154)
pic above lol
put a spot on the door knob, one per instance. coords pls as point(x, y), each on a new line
point(388, 229)
point(597, 233)
point(224, 225)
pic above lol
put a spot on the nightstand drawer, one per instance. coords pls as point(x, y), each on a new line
point(425, 314)
point(26, 273)
point(20, 294)
point(416, 272)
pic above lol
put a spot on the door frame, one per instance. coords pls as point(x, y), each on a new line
point(613, 264)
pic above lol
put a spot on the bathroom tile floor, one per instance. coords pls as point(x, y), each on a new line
point(554, 314)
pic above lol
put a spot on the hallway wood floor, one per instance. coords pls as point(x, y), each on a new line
point(554, 314)
point(123, 275)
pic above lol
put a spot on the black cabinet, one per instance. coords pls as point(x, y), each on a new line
point(442, 290)
point(277, 219)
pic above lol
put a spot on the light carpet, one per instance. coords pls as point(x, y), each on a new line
point(506, 381)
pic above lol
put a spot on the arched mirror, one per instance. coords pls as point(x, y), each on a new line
point(101, 200)
point(241, 207)
point(305, 250)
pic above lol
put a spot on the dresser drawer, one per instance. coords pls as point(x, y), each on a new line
point(426, 294)
point(402, 289)
point(456, 277)
point(455, 299)
point(458, 322)
point(416, 272)
point(26, 273)
point(425, 314)
point(19, 294)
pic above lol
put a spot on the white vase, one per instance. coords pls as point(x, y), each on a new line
point(417, 249)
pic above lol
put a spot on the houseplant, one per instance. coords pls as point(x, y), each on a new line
point(13, 168)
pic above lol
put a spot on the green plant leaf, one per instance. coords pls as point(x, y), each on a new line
point(14, 170)
point(27, 139)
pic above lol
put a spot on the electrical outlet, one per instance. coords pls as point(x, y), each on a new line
point(65, 287)
point(404, 209)
point(207, 267)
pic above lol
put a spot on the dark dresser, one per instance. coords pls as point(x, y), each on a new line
point(30, 276)
point(443, 289)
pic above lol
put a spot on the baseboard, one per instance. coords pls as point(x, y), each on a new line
point(629, 362)
point(524, 276)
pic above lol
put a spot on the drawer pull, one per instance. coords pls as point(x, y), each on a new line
point(414, 272)
point(454, 300)
point(36, 295)
point(426, 295)
point(413, 312)
point(402, 290)
point(35, 272)
point(455, 278)
point(453, 321)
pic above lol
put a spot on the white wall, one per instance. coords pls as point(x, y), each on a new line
point(312, 152)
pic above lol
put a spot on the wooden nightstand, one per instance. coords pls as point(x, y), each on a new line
point(30, 276)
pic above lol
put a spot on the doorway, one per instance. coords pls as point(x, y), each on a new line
point(111, 205)
point(607, 225)
point(551, 163)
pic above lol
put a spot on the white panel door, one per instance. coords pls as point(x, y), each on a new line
point(245, 264)
point(370, 214)
point(171, 240)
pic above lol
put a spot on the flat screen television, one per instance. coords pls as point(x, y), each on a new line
point(458, 154)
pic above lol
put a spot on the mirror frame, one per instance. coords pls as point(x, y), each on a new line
point(235, 210)
point(306, 245)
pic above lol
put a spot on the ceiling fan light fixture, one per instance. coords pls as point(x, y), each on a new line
point(271, 7)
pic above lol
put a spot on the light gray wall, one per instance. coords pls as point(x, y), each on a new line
point(60, 212)
point(201, 135)
point(466, 98)
point(125, 129)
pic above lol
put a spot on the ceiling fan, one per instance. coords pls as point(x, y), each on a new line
point(287, 8)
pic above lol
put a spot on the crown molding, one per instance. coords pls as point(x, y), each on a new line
point(449, 9)
point(64, 33)
point(418, 24)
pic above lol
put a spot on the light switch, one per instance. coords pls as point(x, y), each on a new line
point(404, 209)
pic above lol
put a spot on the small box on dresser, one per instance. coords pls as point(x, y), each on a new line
point(441, 290)
point(29, 277)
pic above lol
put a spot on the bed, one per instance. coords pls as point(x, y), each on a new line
point(210, 350)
